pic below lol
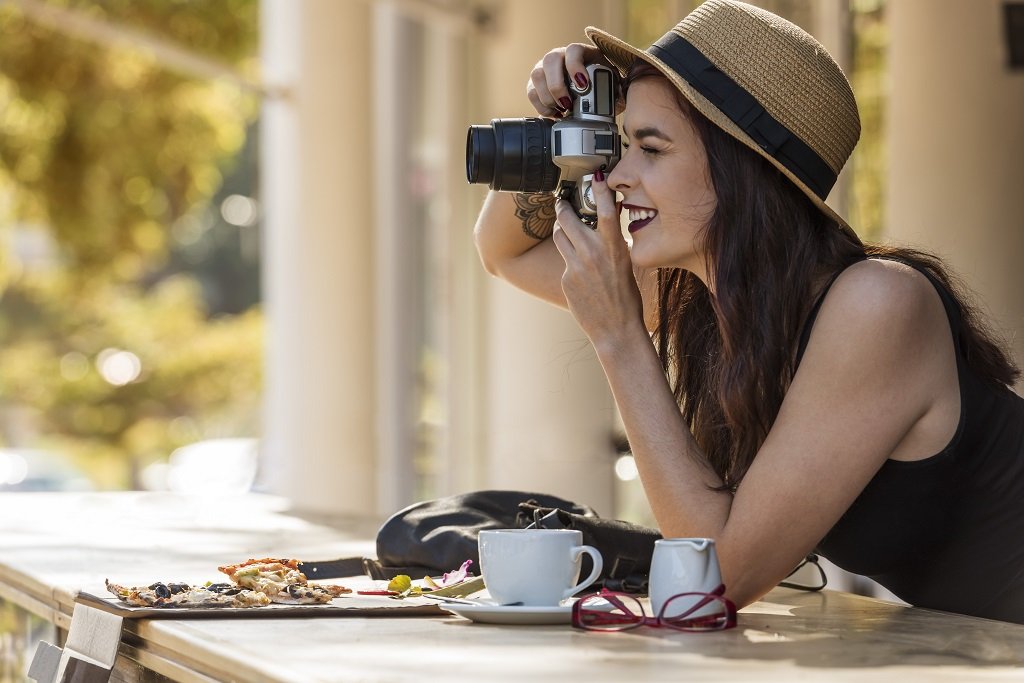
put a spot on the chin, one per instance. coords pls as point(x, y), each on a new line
point(648, 256)
point(641, 259)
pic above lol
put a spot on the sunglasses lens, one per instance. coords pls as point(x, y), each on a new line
point(608, 613)
point(697, 612)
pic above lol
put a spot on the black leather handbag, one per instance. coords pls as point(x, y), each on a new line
point(436, 536)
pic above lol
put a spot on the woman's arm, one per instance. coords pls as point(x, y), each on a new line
point(513, 231)
point(513, 238)
point(879, 364)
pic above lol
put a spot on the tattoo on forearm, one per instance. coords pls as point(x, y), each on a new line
point(537, 212)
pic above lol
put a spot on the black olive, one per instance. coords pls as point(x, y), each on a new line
point(219, 587)
point(177, 588)
point(294, 591)
point(161, 590)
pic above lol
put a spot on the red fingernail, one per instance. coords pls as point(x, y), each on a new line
point(599, 175)
point(565, 102)
point(581, 79)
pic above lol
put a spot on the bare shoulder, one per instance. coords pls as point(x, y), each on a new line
point(876, 281)
point(882, 349)
point(882, 295)
point(883, 321)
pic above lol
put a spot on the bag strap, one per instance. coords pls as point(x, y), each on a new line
point(333, 569)
point(358, 566)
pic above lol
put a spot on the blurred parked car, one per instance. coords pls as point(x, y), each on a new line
point(23, 469)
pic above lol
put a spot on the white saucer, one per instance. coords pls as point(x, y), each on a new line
point(488, 613)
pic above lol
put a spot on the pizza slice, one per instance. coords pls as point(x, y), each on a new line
point(299, 594)
point(183, 595)
point(266, 576)
point(281, 581)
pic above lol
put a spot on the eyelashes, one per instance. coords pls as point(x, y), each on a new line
point(649, 151)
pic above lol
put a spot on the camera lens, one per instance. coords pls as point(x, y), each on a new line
point(480, 154)
point(512, 155)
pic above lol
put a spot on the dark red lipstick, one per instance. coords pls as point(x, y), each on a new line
point(639, 222)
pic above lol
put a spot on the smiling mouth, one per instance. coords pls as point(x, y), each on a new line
point(639, 218)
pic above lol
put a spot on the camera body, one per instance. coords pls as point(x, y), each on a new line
point(545, 155)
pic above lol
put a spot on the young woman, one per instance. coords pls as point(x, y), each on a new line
point(803, 390)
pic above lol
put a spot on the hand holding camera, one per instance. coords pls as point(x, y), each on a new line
point(546, 155)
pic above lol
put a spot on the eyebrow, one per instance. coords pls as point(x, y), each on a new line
point(650, 132)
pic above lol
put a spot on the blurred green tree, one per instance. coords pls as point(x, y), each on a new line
point(107, 347)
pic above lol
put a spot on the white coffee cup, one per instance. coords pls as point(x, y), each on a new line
point(537, 567)
point(683, 565)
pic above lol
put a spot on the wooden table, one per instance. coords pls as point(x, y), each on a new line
point(51, 545)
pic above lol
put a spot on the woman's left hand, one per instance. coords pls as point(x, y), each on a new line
point(598, 281)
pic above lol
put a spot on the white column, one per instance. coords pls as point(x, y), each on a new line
point(549, 407)
point(956, 147)
point(318, 432)
point(398, 240)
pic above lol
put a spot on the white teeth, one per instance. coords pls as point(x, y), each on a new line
point(641, 214)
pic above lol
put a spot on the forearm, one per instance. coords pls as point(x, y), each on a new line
point(681, 488)
point(679, 485)
point(510, 225)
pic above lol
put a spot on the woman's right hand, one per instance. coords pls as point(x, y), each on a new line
point(511, 232)
point(547, 89)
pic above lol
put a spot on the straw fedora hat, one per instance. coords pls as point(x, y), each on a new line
point(764, 81)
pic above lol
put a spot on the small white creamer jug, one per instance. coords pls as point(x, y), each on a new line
point(682, 565)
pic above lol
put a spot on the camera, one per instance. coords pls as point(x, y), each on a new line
point(545, 155)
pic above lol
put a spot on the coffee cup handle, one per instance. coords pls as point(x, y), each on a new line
point(595, 555)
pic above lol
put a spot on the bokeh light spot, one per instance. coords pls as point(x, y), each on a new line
point(625, 468)
point(118, 367)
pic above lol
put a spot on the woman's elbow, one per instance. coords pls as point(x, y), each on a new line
point(489, 259)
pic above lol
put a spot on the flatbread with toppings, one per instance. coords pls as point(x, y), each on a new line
point(183, 595)
point(299, 594)
point(266, 576)
point(281, 581)
point(254, 583)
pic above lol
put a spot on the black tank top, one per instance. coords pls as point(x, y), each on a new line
point(946, 532)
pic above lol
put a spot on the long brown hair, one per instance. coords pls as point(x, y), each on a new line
point(730, 357)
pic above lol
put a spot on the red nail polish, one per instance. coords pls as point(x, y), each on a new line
point(566, 103)
point(581, 79)
point(599, 175)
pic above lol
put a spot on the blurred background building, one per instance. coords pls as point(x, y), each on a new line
point(245, 225)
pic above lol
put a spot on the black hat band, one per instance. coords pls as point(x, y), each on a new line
point(745, 111)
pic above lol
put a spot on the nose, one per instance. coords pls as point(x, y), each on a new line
point(621, 177)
